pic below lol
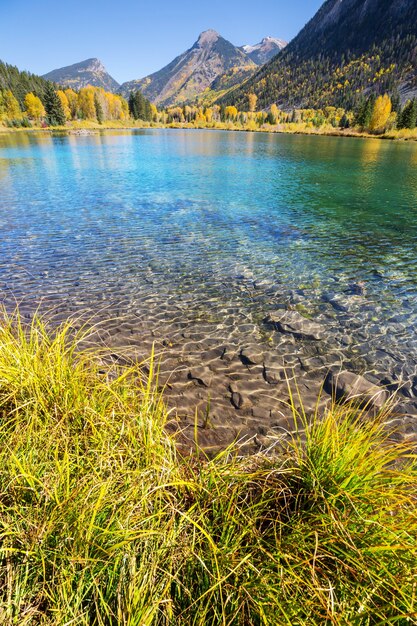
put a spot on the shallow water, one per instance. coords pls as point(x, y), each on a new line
point(173, 227)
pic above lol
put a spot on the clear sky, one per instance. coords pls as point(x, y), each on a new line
point(134, 38)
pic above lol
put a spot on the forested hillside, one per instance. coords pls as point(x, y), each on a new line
point(20, 83)
point(349, 48)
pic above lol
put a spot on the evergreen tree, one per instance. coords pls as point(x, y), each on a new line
point(396, 102)
point(139, 107)
point(132, 106)
point(270, 119)
point(344, 121)
point(365, 111)
point(408, 118)
point(55, 115)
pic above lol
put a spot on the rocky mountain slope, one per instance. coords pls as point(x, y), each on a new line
point(89, 72)
point(192, 72)
point(350, 47)
point(265, 50)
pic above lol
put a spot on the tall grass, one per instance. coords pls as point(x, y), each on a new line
point(102, 522)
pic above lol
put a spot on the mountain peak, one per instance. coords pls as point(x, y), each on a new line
point(208, 37)
point(193, 71)
point(93, 63)
point(262, 52)
point(88, 72)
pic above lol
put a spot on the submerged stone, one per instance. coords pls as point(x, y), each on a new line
point(294, 323)
point(202, 375)
point(240, 401)
point(252, 355)
point(347, 387)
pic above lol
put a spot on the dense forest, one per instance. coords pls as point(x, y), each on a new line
point(20, 83)
point(344, 51)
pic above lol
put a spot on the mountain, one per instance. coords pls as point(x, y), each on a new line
point(192, 72)
point(265, 50)
point(89, 72)
point(350, 47)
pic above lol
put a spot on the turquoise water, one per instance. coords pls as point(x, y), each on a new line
point(227, 224)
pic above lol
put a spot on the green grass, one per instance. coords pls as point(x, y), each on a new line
point(102, 522)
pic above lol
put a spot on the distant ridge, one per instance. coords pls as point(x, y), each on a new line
point(265, 50)
point(88, 72)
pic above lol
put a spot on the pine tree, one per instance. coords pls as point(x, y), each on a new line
point(408, 118)
point(344, 121)
point(139, 107)
point(55, 115)
point(132, 106)
point(365, 111)
point(270, 119)
point(396, 102)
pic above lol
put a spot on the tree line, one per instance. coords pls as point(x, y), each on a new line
point(27, 99)
point(376, 114)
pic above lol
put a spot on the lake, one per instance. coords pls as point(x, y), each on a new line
point(189, 238)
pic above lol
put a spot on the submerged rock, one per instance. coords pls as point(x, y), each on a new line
point(346, 387)
point(239, 400)
point(252, 355)
point(273, 375)
point(202, 375)
point(294, 323)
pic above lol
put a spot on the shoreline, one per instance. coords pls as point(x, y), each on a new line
point(94, 128)
point(221, 387)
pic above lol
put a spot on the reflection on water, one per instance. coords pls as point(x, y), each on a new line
point(253, 221)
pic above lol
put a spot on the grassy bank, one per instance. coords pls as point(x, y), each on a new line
point(291, 128)
point(104, 523)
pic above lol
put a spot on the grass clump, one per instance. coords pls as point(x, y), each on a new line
point(103, 523)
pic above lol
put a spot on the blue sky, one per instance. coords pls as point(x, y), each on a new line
point(134, 38)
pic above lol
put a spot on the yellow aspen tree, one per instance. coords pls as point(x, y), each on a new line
point(252, 100)
point(124, 108)
point(275, 113)
point(34, 107)
point(11, 106)
point(231, 112)
point(65, 104)
point(154, 113)
point(200, 117)
point(86, 104)
point(381, 113)
point(72, 98)
point(110, 106)
point(100, 101)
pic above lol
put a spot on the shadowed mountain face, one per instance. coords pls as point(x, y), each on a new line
point(265, 50)
point(349, 47)
point(89, 72)
point(192, 72)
